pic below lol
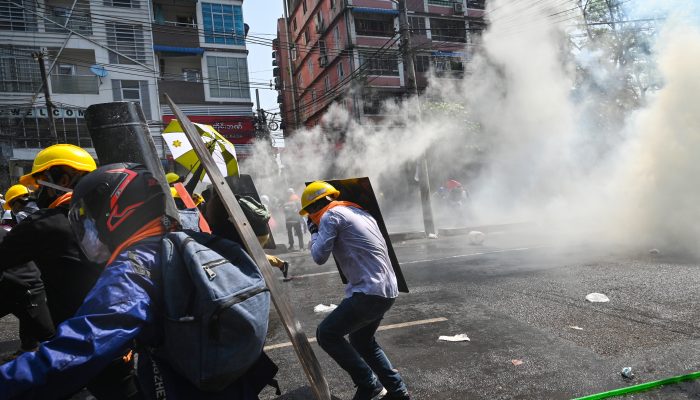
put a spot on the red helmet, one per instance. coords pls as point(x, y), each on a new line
point(112, 203)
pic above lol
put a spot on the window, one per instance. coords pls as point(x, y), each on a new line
point(123, 3)
point(475, 4)
point(332, 4)
point(386, 64)
point(223, 24)
point(300, 81)
point(77, 20)
point(374, 25)
point(310, 66)
point(446, 3)
point(18, 74)
point(313, 95)
point(322, 47)
point(422, 63)
point(447, 30)
point(65, 69)
point(303, 5)
point(191, 75)
point(336, 37)
point(126, 39)
point(341, 71)
point(18, 17)
point(228, 77)
point(294, 24)
point(327, 83)
point(136, 91)
point(307, 37)
point(417, 25)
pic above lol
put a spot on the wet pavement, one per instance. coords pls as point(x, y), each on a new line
point(517, 297)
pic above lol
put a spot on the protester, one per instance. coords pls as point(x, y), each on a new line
point(22, 294)
point(352, 235)
point(292, 220)
point(19, 202)
point(126, 303)
point(45, 238)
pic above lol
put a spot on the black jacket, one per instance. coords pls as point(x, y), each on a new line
point(45, 237)
point(21, 278)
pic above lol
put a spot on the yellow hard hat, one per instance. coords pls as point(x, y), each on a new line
point(174, 193)
point(314, 191)
point(14, 192)
point(172, 177)
point(59, 154)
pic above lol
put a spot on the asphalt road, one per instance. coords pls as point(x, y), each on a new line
point(517, 297)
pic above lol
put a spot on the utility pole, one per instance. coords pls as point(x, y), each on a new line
point(412, 85)
point(261, 126)
point(39, 56)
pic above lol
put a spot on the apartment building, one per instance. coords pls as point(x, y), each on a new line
point(96, 51)
point(202, 57)
point(349, 51)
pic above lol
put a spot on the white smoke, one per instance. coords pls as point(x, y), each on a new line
point(542, 129)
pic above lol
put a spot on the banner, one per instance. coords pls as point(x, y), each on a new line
point(238, 130)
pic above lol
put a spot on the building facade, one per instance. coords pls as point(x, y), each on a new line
point(96, 51)
point(202, 57)
point(350, 51)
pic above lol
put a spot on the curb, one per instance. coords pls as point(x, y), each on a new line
point(401, 236)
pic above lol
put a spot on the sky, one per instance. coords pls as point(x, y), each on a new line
point(261, 16)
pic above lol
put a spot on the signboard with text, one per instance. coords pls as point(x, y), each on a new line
point(238, 130)
point(59, 112)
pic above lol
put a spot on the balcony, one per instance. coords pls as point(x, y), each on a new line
point(168, 33)
point(182, 91)
point(75, 84)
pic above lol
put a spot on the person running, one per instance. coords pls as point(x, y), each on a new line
point(351, 234)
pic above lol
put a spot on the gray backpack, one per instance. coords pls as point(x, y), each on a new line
point(216, 308)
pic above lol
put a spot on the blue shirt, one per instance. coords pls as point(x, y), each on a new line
point(357, 244)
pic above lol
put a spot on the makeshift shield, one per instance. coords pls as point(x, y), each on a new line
point(300, 342)
point(360, 192)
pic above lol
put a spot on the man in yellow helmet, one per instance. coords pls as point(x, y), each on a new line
point(352, 235)
point(45, 237)
point(19, 202)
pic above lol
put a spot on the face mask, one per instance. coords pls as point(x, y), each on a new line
point(91, 244)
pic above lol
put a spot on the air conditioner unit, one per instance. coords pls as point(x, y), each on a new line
point(458, 8)
point(323, 61)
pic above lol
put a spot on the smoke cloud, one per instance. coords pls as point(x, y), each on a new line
point(552, 124)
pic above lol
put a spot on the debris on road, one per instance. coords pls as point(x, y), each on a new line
point(432, 236)
point(578, 328)
point(627, 373)
point(322, 308)
point(517, 362)
point(476, 237)
point(462, 337)
point(597, 298)
point(654, 251)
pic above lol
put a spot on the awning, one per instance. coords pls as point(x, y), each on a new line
point(447, 54)
point(176, 49)
point(372, 10)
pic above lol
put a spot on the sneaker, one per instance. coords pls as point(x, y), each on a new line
point(365, 393)
point(396, 396)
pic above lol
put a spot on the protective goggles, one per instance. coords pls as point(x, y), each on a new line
point(85, 230)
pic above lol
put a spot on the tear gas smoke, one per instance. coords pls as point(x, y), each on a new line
point(554, 122)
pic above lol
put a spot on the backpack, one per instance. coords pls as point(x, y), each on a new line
point(216, 309)
point(255, 213)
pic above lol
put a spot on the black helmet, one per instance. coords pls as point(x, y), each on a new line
point(112, 203)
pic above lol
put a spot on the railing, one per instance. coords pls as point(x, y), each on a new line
point(75, 84)
point(79, 21)
point(175, 23)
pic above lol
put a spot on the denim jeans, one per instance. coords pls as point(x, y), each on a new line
point(359, 316)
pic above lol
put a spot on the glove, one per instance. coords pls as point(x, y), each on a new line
point(312, 227)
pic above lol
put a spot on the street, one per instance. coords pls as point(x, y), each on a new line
point(516, 298)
